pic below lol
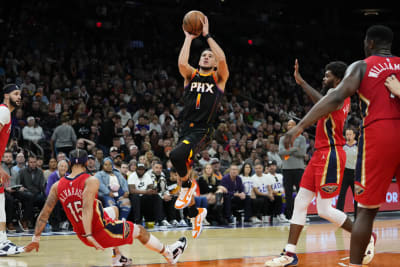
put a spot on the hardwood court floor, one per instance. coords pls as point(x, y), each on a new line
point(319, 245)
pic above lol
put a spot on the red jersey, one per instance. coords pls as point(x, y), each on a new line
point(69, 192)
point(330, 128)
point(4, 133)
point(376, 101)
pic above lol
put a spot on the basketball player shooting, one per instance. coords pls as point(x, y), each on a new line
point(94, 226)
point(203, 90)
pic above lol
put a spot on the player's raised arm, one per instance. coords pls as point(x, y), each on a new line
point(311, 92)
point(92, 185)
point(183, 61)
point(43, 217)
point(222, 67)
point(330, 102)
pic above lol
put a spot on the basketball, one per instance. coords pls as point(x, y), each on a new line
point(192, 22)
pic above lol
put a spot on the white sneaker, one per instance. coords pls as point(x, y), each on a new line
point(183, 223)
point(370, 251)
point(266, 219)
point(175, 250)
point(121, 260)
point(9, 248)
point(283, 260)
point(281, 218)
point(174, 223)
point(165, 223)
point(255, 220)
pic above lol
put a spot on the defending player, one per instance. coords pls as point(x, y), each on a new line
point(12, 100)
point(378, 161)
point(323, 176)
point(204, 88)
point(97, 227)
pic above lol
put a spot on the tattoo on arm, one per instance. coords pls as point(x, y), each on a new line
point(46, 211)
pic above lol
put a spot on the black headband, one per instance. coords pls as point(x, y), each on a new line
point(9, 88)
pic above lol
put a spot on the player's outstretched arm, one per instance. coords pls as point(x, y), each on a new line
point(393, 84)
point(223, 71)
point(92, 185)
point(330, 102)
point(183, 60)
point(311, 92)
point(42, 219)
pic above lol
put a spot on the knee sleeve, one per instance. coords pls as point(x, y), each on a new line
point(180, 157)
point(303, 199)
point(136, 230)
point(326, 211)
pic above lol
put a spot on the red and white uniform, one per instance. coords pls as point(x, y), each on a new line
point(325, 170)
point(378, 158)
point(106, 231)
point(5, 120)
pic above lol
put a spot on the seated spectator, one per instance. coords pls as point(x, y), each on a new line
point(144, 197)
point(212, 151)
point(234, 196)
point(246, 173)
point(58, 215)
point(133, 153)
point(273, 154)
point(91, 165)
point(99, 158)
point(113, 189)
point(85, 144)
point(209, 188)
point(205, 159)
point(124, 170)
point(131, 167)
point(52, 167)
point(20, 160)
point(276, 182)
point(32, 192)
point(32, 131)
point(216, 169)
point(264, 194)
point(9, 192)
point(158, 176)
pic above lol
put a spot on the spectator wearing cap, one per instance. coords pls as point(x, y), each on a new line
point(275, 180)
point(216, 168)
point(113, 190)
point(114, 151)
point(117, 160)
point(91, 165)
point(124, 114)
point(32, 132)
point(144, 197)
point(58, 215)
point(264, 194)
point(121, 147)
point(63, 138)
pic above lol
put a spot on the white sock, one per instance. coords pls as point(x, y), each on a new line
point(290, 248)
point(155, 245)
point(3, 236)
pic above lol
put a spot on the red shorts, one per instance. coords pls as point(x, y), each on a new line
point(378, 161)
point(324, 172)
point(115, 233)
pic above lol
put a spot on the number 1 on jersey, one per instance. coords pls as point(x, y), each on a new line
point(198, 101)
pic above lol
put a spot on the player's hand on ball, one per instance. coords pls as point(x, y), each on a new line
point(31, 246)
point(96, 245)
point(206, 26)
point(188, 35)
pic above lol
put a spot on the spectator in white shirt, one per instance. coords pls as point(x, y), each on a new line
point(263, 191)
point(125, 115)
point(32, 132)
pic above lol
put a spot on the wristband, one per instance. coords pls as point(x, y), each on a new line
point(87, 235)
point(35, 238)
point(207, 36)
